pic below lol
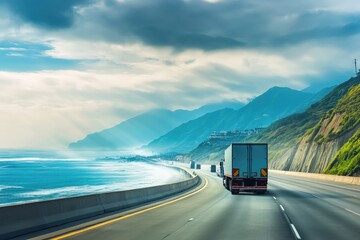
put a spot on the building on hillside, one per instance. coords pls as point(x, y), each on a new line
point(234, 133)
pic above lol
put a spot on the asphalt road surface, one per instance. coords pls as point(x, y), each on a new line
point(293, 208)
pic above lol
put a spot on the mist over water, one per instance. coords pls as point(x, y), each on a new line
point(25, 177)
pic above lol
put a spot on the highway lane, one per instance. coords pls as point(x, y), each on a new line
point(319, 209)
point(294, 208)
point(210, 214)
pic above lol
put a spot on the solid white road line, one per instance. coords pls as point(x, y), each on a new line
point(352, 212)
point(295, 231)
point(339, 206)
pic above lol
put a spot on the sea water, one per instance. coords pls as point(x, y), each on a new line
point(33, 176)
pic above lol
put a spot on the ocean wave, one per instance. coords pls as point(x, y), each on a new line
point(81, 190)
point(69, 179)
point(2, 187)
point(35, 159)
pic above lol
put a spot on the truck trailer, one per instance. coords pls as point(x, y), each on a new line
point(246, 168)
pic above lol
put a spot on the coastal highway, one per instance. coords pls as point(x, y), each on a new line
point(293, 208)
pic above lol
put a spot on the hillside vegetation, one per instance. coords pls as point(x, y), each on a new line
point(349, 108)
point(347, 160)
point(287, 132)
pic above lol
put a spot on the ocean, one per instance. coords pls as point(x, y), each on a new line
point(27, 176)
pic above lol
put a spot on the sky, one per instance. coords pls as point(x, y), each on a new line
point(72, 67)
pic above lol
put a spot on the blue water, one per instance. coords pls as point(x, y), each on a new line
point(34, 176)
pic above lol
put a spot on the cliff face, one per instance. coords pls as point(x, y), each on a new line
point(311, 156)
point(321, 144)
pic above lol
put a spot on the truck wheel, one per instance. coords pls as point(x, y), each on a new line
point(233, 192)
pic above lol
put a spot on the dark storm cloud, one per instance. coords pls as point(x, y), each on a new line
point(158, 37)
point(320, 33)
point(46, 13)
point(225, 24)
point(320, 25)
point(175, 23)
point(192, 24)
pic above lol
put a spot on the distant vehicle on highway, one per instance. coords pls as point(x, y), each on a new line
point(192, 164)
point(246, 168)
point(220, 170)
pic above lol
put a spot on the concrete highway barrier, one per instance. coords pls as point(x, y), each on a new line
point(17, 220)
point(327, 177)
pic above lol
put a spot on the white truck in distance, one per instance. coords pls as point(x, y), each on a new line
point(246, 168)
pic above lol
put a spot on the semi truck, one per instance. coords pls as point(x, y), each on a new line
point(246, 168)
point(192, 164)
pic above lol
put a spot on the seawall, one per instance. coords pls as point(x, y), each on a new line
point(25, 218)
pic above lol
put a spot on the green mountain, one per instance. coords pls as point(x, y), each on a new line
point(274, 104)
point(145, 127)
point(309, 141)
point(324, 139)
point(347, 159)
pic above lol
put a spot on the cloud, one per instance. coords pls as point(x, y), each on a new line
point(88, 65)
point(192, 24)
point(319, 25)
point(180, 41)
point(15, 54)
point(33, 57)
point(12, 49)
point(218, 25)
point(49, 14)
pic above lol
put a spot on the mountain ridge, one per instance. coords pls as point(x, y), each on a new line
point(141, 129)
point(273, 104)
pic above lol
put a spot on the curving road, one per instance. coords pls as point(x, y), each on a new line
point(294, 208)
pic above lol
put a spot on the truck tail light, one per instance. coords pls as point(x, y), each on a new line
point(262, 181)
point(235, 172)
point(264, 172)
